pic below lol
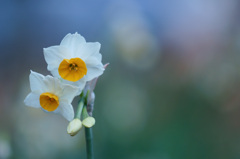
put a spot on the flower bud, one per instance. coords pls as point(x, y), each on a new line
point(88, 122)
point(74, 126)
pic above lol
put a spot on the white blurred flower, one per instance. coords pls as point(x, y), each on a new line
point(5, 148)
point(51, 95)
point(74, 60)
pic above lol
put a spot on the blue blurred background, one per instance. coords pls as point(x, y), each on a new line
point(171, 91)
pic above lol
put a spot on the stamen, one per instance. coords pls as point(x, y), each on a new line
point(73, 66)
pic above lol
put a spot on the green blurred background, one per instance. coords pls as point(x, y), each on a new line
point(171, 91)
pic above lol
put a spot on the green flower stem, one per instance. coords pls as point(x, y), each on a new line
point(88, 135)
point(89, 143)
point(84, 112)
point(79, 109)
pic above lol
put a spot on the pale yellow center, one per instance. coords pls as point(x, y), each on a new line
point(49, 101)
point(72, 69)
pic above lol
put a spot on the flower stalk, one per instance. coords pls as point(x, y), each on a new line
point(88, 129)
point(89, 142)
point(80, 108)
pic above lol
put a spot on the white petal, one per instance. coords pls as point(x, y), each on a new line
point(93, 61)
point(93, 72)
point(36, 82)
point(53, 85)
point(72, 41)
point(66, 110)
point(68, 93)
point(32, 100)
point(98, 56)
point(88, 49)
point(94, 68)
point(80, 84)
point(55, 73)
point(54, 55)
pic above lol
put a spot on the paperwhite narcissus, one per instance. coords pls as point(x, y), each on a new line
point(74, 60)
point(51, 95)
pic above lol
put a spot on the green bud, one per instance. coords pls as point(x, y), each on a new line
point(74, 126)
point(88, 122)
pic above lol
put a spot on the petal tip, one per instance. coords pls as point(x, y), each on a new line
point(106, 65)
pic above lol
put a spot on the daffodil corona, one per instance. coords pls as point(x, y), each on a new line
point(49, 101)
point(75, 61)
point(51, 95)
point(72, 69)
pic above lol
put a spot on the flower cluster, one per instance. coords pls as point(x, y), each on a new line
point(73, 63)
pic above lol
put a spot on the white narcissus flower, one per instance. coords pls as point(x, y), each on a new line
point(51, 95)
point(74, 60)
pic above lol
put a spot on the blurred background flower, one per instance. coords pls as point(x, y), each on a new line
point(171, 91)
